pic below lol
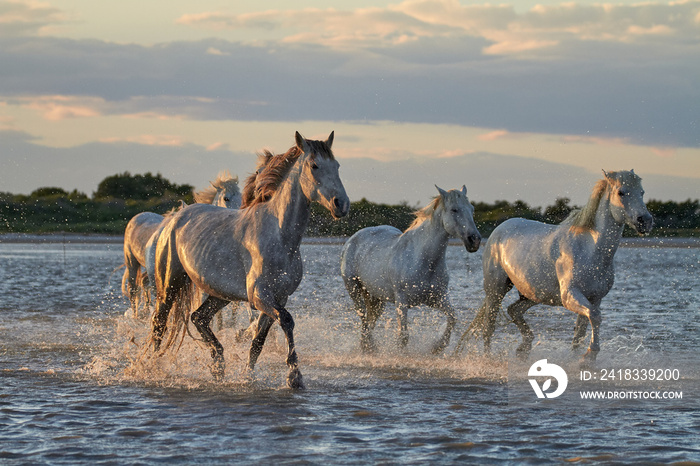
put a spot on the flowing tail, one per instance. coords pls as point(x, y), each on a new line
point(184, 304)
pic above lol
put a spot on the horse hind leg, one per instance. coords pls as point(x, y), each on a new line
point(516, 312)
point(485, 319)
point(201, 318)
point(369, 309)
point(130, 283)
point(374, 307)
point(444, 340)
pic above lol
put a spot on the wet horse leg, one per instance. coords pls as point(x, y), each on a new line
point(201, 318)
point(575, 301)
point(262, 327)
point(263, 299)
point(496, 285)
point(516, 312)
point(369, 309)
point(579, 331)
point(402, 318)
point(445, 307)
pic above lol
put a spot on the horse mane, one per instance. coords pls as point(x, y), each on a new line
point(425, 213)
point(272, 169)
point(584, 219)
point(264, 159)
point(223, 181)
point(174, 210)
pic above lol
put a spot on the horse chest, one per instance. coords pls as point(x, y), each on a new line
point(421, 284)
point(596, 281)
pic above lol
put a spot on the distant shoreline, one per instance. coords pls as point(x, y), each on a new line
point(82, 238)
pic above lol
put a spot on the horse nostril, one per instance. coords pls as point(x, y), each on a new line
point(336, 202)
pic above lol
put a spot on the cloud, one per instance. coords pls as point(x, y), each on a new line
point(664, 152)
point(61, 107)
point(508, 32)
point(27, 17)
point(577, 70)
point(494, 135)
point(169, 140)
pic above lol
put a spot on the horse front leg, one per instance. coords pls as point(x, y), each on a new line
point(579, 331)
point(260, 329)
point(575, 301)
point(516, 311)
point(264, 302)
point(201, 318)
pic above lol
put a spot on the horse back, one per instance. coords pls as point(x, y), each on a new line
point(366, 258)
point(524, 252)
point(138, 232)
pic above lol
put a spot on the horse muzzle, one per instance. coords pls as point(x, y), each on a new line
point(644, 223)
point(472, 242)
point(339, 207)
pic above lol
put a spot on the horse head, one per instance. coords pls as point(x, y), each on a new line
point(320, 179)
point(228, 194)
point(458, 217)
point(627, 201)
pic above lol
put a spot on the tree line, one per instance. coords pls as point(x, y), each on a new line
point(119, 197)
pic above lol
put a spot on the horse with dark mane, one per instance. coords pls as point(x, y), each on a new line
point(252, 254)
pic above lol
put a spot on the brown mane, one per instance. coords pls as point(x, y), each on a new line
point(272, 169)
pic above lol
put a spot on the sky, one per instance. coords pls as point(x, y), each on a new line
point(526, 100)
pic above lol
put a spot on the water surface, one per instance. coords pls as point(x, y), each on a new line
point(76, 389)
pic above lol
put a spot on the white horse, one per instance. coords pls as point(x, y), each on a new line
point(138, 245)
point(568, 265)
point(252, 254)
point(381, 264)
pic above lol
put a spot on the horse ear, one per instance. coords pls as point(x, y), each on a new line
point(442, 192)
point(605, 174)
point(632, 171)
point(329, 141)
point(464, 189)
point(299, 140)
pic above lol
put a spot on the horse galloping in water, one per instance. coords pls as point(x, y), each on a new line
point(252, 254)
point(381, 264)
point(138, 244)
point(570, 264)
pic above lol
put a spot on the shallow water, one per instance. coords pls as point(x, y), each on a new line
point(76, 389)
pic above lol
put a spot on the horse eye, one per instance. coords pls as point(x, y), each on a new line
point(226, 199)
point(621, 193)
point(314, 166)
point(454, 210)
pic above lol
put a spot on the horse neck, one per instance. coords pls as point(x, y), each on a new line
point(291, 207)
point(609, 230)
point(430, 237)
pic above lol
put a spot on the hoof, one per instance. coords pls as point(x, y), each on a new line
point(294, 380)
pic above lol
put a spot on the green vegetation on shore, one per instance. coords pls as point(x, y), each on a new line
point(120, 197)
